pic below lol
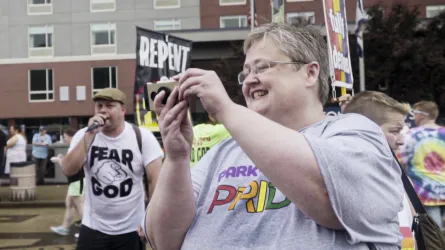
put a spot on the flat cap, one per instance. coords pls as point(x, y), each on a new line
point(111, 94)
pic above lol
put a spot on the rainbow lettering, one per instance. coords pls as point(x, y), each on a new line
point(265, 199)
point(235, 172)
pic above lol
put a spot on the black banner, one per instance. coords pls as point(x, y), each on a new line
point(158, 56)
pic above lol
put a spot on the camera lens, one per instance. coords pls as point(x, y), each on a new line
point(167, 93)
point(153, 95)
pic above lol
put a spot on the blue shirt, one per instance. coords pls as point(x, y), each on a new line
point(40, 152)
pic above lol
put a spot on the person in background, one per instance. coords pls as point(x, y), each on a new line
point(15, 147)
point(23, 133)
point(390, 115)
point(40, 145)
point(424, 156)
point(205, 136)
point(343, 101)
point(3, 140)
point(74, 197)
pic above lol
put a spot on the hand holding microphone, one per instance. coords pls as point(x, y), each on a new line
point(96, 121)
point(94, 124)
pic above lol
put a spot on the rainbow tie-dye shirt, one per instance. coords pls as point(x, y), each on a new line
point(424, 155)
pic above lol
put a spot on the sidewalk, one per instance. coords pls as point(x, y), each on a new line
point(46, 196)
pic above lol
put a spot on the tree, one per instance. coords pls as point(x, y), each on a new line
point(228, 70)
point(404, 55)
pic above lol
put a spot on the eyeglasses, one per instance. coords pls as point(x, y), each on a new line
point(420, 112)
point(261, 67)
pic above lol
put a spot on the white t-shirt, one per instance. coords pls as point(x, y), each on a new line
point(114, 189)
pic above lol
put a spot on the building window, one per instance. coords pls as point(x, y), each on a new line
point(309, 15)
point(166, 4)
point(41, 87)
point(40, 7)
point(102, 5)
point(233, 21)
point(168, 25)
point(434, 10)
point(103, 38)
point(102, 78)
point(232, 2)
point(40, 41)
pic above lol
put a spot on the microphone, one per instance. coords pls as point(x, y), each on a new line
point(95, 125)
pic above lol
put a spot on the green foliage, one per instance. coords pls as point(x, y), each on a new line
point(228, 70)
point(405, 55)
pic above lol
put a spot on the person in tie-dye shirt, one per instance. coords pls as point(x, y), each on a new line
point(423, 154)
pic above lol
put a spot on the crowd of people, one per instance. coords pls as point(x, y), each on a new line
point(277, 174)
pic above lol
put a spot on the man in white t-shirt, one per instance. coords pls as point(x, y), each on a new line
point(114, 167)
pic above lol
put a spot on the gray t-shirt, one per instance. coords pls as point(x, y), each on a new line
point(239, 208)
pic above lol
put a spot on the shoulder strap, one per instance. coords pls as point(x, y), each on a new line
point(137, 130)
point(413, 197)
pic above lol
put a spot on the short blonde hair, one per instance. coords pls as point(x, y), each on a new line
point(428, 107)
point(376, 106)
point(299, 43)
